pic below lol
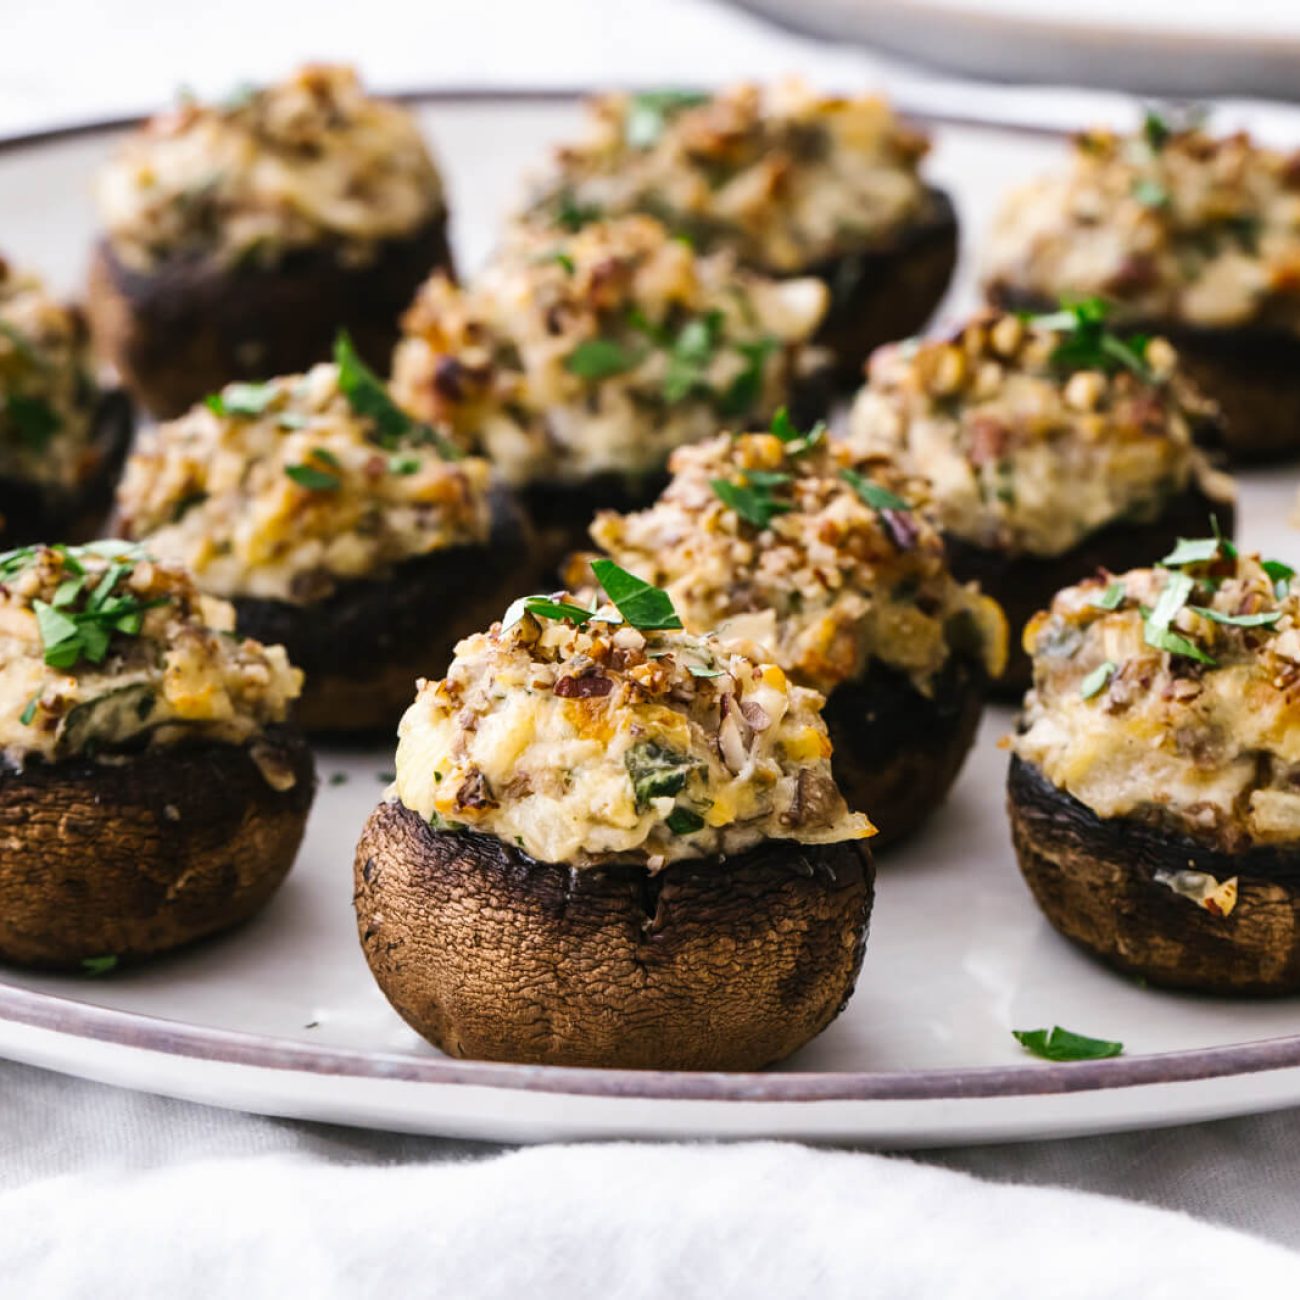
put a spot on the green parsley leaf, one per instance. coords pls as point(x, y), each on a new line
point(248, 400)
point(650, 112)
point(597, 359)
point(571, 214)
point(1175, 644)
point(1111, 598)
point(1192, 550)
point(98, 965)
point(313, 479)
point(404, 465)
point(542, 607)
point(683, 821)
point(29, 710)
point(1150, 193)
point(656, 771)
point(562, 259)
point(1281, 575)
point(1155, 130)
point(783, 427)
point(1057, 1044)
point(698, 670)
point(744, 391)
point(1087, 344)
point(60, 635)
point(35, 420)
point(1266, 619)
point(643, 606)
point(877, 497)
point(1173, 596)
point(752, 501)
point(366, 393)
point(690, 356)
point(1097, 680)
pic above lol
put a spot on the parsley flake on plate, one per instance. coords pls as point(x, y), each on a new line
point(1057, 1044)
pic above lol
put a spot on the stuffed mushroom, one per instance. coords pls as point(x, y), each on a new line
point(576, 363)
point(150, 792)
point(791, 182)
point(239, 237)
point(613, 843)
point(63, 433)
point(1053, 448)
point(1153, 788)
point(787, 539)
point(1187, 235)
point(337, 526)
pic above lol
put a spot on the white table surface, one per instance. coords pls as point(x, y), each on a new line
point(64, 60)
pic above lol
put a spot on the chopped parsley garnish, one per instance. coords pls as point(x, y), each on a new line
point(1057, 1044)
point(1088, 344)
point(643, 606)
point(1200, 550)
point(877, 497)
point(1155, 130)
point(600, 359)
point(572, 215)
point(744, 391)
point(369, 398)
point(1097, 680)
point(1281, 575)
point(656, 771)
point(29, 710)
point(650, 112)
point(1110, 599)
point(99, 965)
point(1150, 194)
point(36, 421)
point(796, 443)
point(1157, 630)
point(241, 399)
point(682, 821)
point(563, 260)
point(80, 620)
point(751, 497)
point(1265, 619)
point(690, 355)
point(404, 465)
point(544, 607)
point(698, 670)
point(313, 479)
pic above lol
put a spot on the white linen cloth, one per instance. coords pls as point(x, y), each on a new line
point(106, 1194)
point(142, 1197)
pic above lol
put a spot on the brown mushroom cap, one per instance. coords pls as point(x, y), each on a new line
point(1024, 584)
point(187, 328)
point(363, 646)
point(887, 292)
point(706, 965)
point(27, 515)
point(897, 752)
point(1095, 880)
point(1251, 372)
point(144, 853)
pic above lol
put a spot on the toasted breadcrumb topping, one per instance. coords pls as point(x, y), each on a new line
point(308, 160)
point(582, 745)
point(1173, 695)
point(1177, 227)
point(574, 355)
point(1025, 450)
point(103, 648)
point(782, 177)
point(829, 582)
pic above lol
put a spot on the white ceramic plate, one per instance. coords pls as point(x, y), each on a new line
point(283, 1017)
point(1189, 48)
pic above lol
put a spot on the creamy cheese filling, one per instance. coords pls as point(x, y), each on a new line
point(48, 393)
point(1032, 440)
point(586, 744)
point(102, 648)
point(309, 159)
point(783, 177)
point(283, 489)
point(1172, 694)
point(771, 537)
point(1172, 226)
point(576, 355)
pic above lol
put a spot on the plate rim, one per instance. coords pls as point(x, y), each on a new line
point(71, 1017)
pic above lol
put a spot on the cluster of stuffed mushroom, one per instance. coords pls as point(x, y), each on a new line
point(653, 786)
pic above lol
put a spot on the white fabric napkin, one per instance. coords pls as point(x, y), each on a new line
point(617, 1221)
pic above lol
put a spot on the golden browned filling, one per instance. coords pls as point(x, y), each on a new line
point(103, 648)
point(48, 393)
point(575, 355)
point(787, 539)
point(284, 488)
point(309, 160)
point(1172, 225)
point(783, 177)
point(589, 733)
point(1036, 433)
point(1173, 694)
